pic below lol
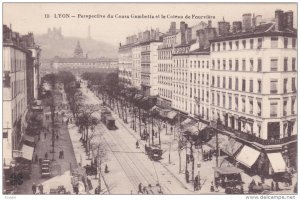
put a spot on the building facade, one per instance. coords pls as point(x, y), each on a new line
point(80, 63)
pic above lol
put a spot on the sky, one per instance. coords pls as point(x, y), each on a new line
point(30, 17)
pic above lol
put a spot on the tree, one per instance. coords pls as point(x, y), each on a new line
point(99, 153)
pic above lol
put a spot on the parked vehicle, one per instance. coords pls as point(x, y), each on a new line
point(227, 176)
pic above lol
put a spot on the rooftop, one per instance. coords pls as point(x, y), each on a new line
point(267, 29)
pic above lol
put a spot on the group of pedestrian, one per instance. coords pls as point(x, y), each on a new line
point(61, 154)
point(197, 183)
point(275, 186)
point(142, 190)
point(207, 155)
point(37, 189)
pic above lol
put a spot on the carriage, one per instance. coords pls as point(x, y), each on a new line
point(107, 119)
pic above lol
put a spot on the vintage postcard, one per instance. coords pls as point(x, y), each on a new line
point(149, 98)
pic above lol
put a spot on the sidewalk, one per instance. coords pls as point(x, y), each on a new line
point(60, 167)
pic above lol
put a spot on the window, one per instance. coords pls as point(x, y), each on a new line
point(293, 64)
point(251, 43)
point(207, 64)
point(294, 42)
point(273, 86)
point(293, 105)
point(250, 105)
point(202, 79)
point(230, 83)
point(244, 85)
point(244, 44)
point(274, 42)
point(213, 98)
point(218, 99)
point(213, 46)
point(224, 82)
point(236, 84)
point(284, 107)
point(285, 64)
point(236, 65)
point(213, 81)
point(224, 46)
point(219, 46)
point(274, 64)
point(230, 102)
point(251, 86)
point(285, 85)
point(251, 64)
point(230, 45)
point(224, 64)
point(218, 81)
point(219, 64)
point(285, 42)
point(230, 64)
point(294, 84)
point(259, 64)
point(195, 76)
point(224, 101)
point(273, 109)
point(237, 44)
point(213, 64)
point(191, 92)
point(207, 79)
point(259, 107)
point(259, 43)
point(259, 86)
point(243, 104)
point(244, 65)
point(236, 103)
point(6, 79)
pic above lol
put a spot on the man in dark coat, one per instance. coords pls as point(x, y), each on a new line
point(33, 188)
point(41, 188)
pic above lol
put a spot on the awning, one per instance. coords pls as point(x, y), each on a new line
point(186, 124)
point(29, 138)
point(27, 152)
point(196, 128)
point(192, 129)
point(247, 156)
point(172, 114)
point(228, 170)
point(232, 147)
point(223, 141)
point(277, 162)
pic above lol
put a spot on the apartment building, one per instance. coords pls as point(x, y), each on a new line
point(253, 87)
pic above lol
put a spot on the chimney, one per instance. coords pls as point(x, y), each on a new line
point(188, 35)
point(253, 20)
point(288, 19)
point(201, 38)
point(236, 26)
point(258, 20)
point(172, 28)
point(224, 27)
point(247, 22)
point(209, 24)
point(182, 31)
point(279, 20)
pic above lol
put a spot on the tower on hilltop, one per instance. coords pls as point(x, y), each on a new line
point(78, 53)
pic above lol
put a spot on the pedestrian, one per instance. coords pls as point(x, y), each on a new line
point(46, 155)
point(36, 158)
point(33, 188)
point(41, 188)
point(45, 134)
point(140, 189)
point(212, 188)
point(57, 136)
point(106, 169)
point(137, 144)
point(196, 183)
point(145, 191)
point(62, 154)
point(277, 186)
point(272, 186)
point(187, 176)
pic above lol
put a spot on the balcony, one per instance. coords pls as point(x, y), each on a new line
point(253, 138)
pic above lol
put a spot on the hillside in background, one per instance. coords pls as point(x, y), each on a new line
point(63, 46)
